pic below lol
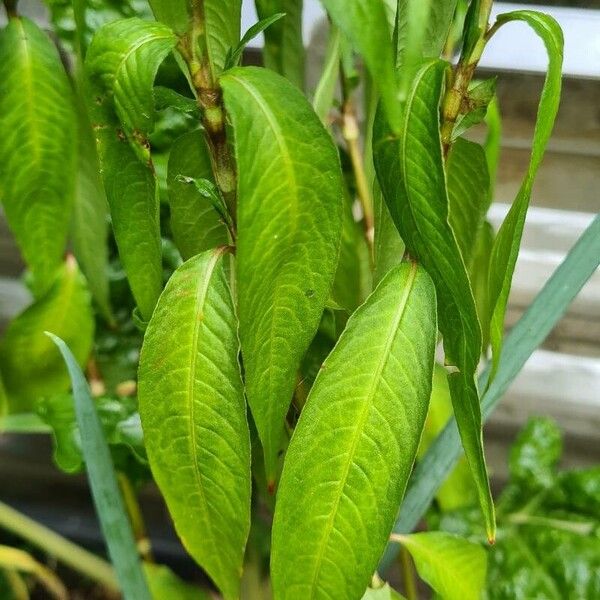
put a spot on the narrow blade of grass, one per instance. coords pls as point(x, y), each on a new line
point(534, 326)
point(103, 482)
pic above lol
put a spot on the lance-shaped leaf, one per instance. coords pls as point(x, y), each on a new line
point(468, 193)
point(290, 199)
point(37, 153)
point(411, 173)
point(348, 463)
point(30, 363)
point(195, 223)
point(193, 415)
point(124, 56)
point(132, 194)
point(454, 567)
point(89, 229)
point(365, 23)
point(284, 48)
point(108, 501)
point(524, 338)
point(508, 240)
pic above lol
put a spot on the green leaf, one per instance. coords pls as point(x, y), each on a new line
point(30, 364)
point(290, 200)
point(23, 423)
point(508, 240)
point(222, 21)
point(132, 194)
point(388, 247)
point(176, 14)
point(457, 490)
point(478, 99)
point(454, 567)
point(354, 446)
point(479, 269)
point(325, 91)
point(89, 229)
point(201, 461)
point(165, 585)
point(284, 48)
point(411, 173)
point(526, 336)
point(124, 56)
point(535, 454)
point(103, 483)
point(348, 286)
point(421, 31)
point(493, 141)
point(38, 151)
point(195, 223)
point(365, 23)
point(468, 193)
point(233, 58)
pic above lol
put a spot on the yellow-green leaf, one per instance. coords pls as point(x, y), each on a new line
point(290, 199)
point(352, 452)
point(193, 414)
point(37, 153)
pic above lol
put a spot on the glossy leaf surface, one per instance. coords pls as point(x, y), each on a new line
point(30, 363)
point(195, 223)
point(352, 451)
point(103, 483)
point(454, 567)
point(508, 240)
point(468, 193)
point(89, 229)
point(125, 56)
point(284, 48)
point(411, 173)
point(132, 195)
point(530, 331)
point(222, 30)
point(290, 196)
point(37, 153)
point(365, 23)
point(198, 442)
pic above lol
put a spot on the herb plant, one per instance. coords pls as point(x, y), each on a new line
point(286, 268)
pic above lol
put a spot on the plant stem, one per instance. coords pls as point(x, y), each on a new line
point(194, 50)
point(136, 518)
point(351, 134)
point(65, 551)
point(408, 575)
point(11, 8)
point(457, 91)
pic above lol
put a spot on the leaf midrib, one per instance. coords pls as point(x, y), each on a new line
point(285, 155)
point(362, 418)
point(201, 296)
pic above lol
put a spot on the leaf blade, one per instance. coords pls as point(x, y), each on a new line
point(507, 242)
point(283, 229)
point(37, 156)
point(454, 567)
point(365, 23)
point(332, 523)
point(411, 173)
point(31, 367)
point(530, 331)
point(284, 48)
point(103, 482)
point(202, 463)
point(195, 223)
